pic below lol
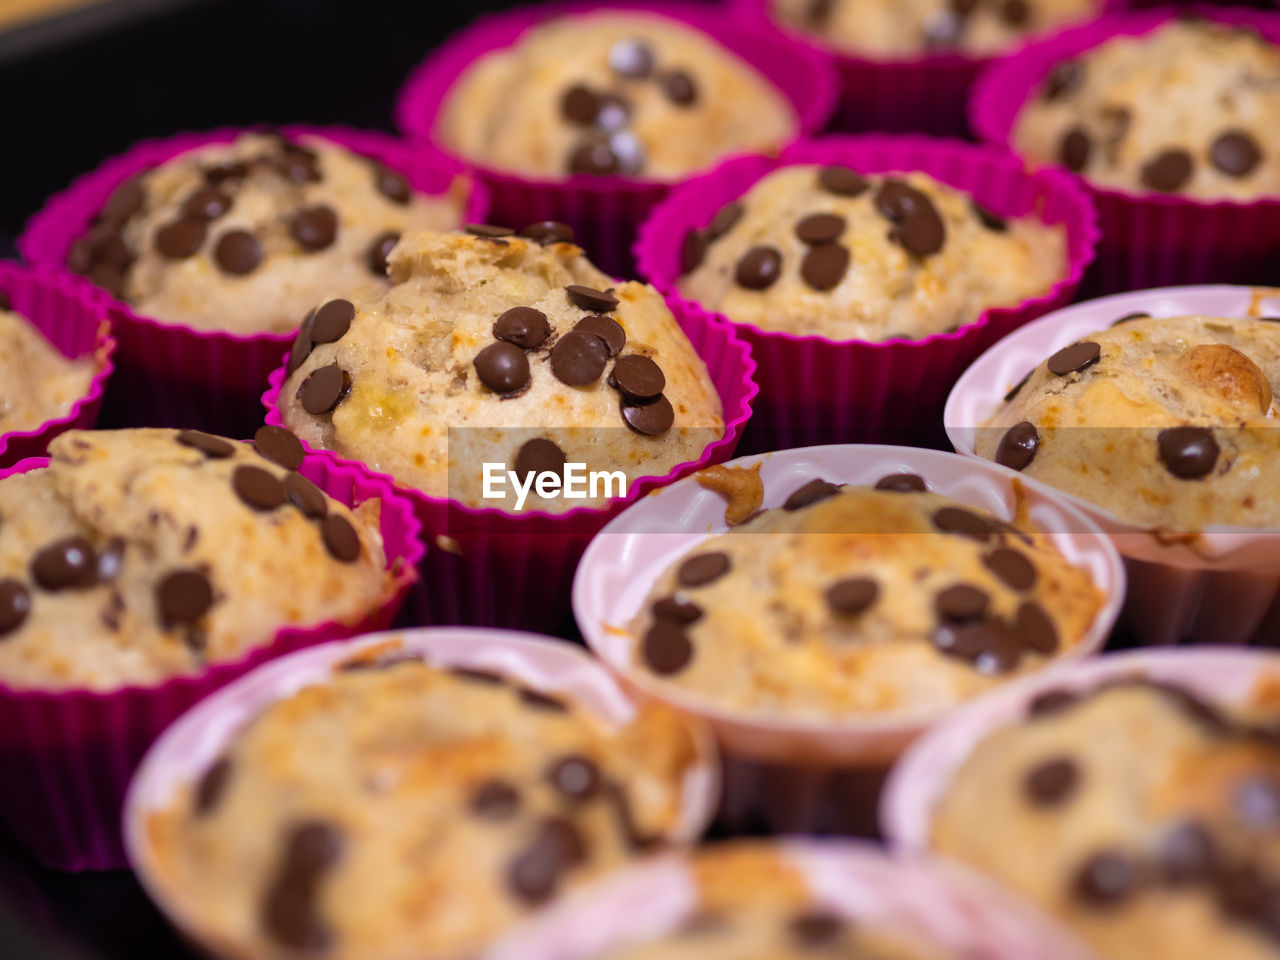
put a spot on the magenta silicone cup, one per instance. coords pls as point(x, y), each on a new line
point(814, 390)
point(66, 757)
point(72, 315)
point(790, 773)
point(495, 568)
point(603, 211)
point(175, 375)
point(1148, 239)
point(1219, 586)
point(543, 664)
point(942, 905)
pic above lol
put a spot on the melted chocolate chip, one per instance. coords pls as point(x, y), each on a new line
point(677, 611)
point(212, 786)
point(67, 564)
point(631, 58)
point(1035, 628)
point(575, 778)
point(596, 158)
point(1051, 703)
point(1052, 783)
point(666, 648)
point(125, 200)
point(1013, 567)
point(726, 219)
point(580, 105)
point(1018, 446)
point(606, 328)
point(1017, 387)
point(918, 228)
point(989, 645)
point(693, 250)
point(1105, 880)
point(536, 871)
point(1257, 802)
point(992, 221)
point(323, 389)
point(902, 483)
point(650, 418)
point(238, 252)
point(1064, 78)
point(279, 446)
point(823, 267)
point(391, 184)
point(340, 538)
point(495, 800)
point(702, 569)
point(964, 523)
point(180, 239)
point(1136, 315)
point(842, 181)
point(332, 321)
point(1075, 358)
point(1235, 153)
point(1189, 453)
point(301, 348)
point(1186, 854)
point(820, 228)
point(1167, 172)
point(258, 489)
point(1075, 149)
point(539, 456)
point(489, 231)
point(207, 203)
point(547, 232)
point(213, 447)
point(15, 605)
point(1015, 13)
point(526, 327)
point(637, 378)
point(305, 495)
point(314, 228)
point(578, 358)
point(289, 910)
point(759, 268)
point(183, 597)
point(852, 596)
point(502, 367)
point(588, 298)
point(817, 929)
point(680, 88)
point(810, 493)
point(961, 603)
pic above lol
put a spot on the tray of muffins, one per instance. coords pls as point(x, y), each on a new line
point(757, 480)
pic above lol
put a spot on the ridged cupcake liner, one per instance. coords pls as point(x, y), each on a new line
point(1221, 585)
point(941, 904)
point(795, 774)
point(542, 664)
point(921, 779)
point(66, 757)
point(489, 567)
point(73, 316)
point(172, 374)
point(603, 211)
point(1148, 239)
point(814, 390)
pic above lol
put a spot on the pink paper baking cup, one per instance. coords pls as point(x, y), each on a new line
point(543, 664)
point(921, 779)
point(945, 906)
point(66, 758)
point(1220, 586)
point(814, 390)
point(603, 211)
point(1148, 239)
point(797, 774)
point(73, 316)
point(175, 375)
point(496, 568)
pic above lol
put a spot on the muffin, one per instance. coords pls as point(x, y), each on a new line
point(141, 555)
point(500, 350)
point(1188, 109)
point(856, 602)
point(398, 809)
point(815, 250)
point(897, 29)
point(1138, 813)
point(1166, 423)
point(626, 93)
point(37, 383)
point(243, 237)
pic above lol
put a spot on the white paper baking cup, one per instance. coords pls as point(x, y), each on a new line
point(942, 904)
point(1221, 585)
point(539, 663)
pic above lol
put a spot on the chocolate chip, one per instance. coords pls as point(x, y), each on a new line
point(536, 871)
point(917, 226)
point(109, 278)
point(226, 170)
point(631, 58)
point(1189, 453)
point(823, 267)
point(851, 596)
point(588, 298)
point(1064, 78)
point(125, 200)
point(615, 112)
point(964, 523)
point(759, 268)
point(638, 378)
point(305, 495)
point(331, 321)
point(1075, 149)
point(666, 648)
point(340, 538)
point(606, 328)
point(238, 252)
point(580, 105)
point(1168, 171)
point(818, 12)
point(575, 777)
point(992, 221)
point(1186, 854)
point(676, 611)
point(578, 358)
point(315, 227)
point(502, 367)
point(817, 929)
point(5, 302)
point(66, 564)
point(1051, 783)
point(693, 250)
point(472, 675)
point(961, 603)
point(1136, 315)
point(289, 909)
point(1035, 628)
point(810, 493)
point(379, 250)
point(257, 488)
point(391, 184)
point(213, 447)
point(1105, 879)
point(495, 800)
point(180, 239)
point(1018, 446)
point(297, 166)
point(301, 348)
point(1235, 153)
point(1017, 387)
point(1051, 702)
point(212, 786)
point(547, 232)
point(680, 88)
point(183, 597)
point(943, 30)
point(842, 181)
point(726, 219)
point(1075, 358)
point(323, 389)
point(651, 418)
point(526, 327)
point(902, 483)
point(1013, 567)
point(279, 446)
point(1257, 802)
point(15, 605)
point(990, 645)
point(702, 569)
point(539, 456)
point(820, 228)
point(489, 231)
point(1015, 13)
point(596, 158)
point(541, 701)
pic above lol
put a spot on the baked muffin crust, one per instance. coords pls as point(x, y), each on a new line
point(37, 383)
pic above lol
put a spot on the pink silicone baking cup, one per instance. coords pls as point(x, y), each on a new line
point(544, 664)
point(1148, 239)
point(939, 904)
point(921, 779)
point(73, 316)
point(604, 211)
point(794, 774)
point(503, 569)
point(175, 375)
point(814, 390)
point(1221, 585)
point(66, 757)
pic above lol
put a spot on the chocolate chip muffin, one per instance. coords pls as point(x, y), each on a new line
point(506, 350)
point(851, 601)
point(1139, 814)
point(140, 555)
point(1189, 109)
point(634, 94)
point(402, 810)
point(246, 236)
point(37, 383)
point(1167, 423)
point(826, 251)
point(909, 28)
